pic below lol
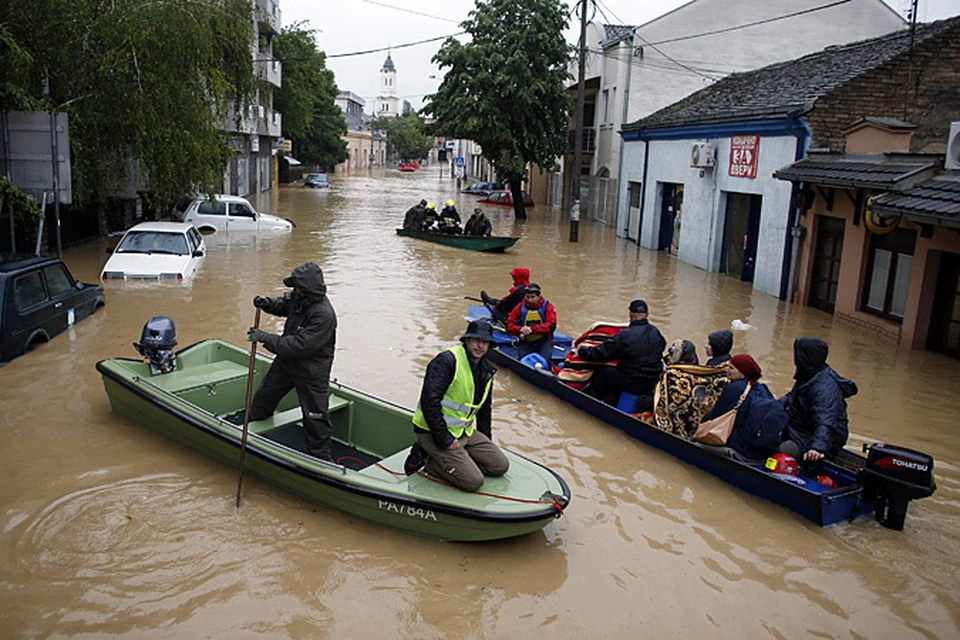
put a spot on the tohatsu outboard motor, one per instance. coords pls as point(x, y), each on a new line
point(157, 340)
point(892, 477)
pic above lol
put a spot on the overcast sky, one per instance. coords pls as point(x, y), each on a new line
point(351, 26)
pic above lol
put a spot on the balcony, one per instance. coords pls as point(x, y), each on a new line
point(269, 14)
point(269, 69)
point(589, 140)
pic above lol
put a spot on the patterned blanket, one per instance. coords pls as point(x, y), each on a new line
point(686, 393)
point(577, 372)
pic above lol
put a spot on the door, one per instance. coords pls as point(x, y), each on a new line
point(633, 212)
point(241, 217)
point(944, 335)
point(741, 233)
point(826, 263)
point(671, 200)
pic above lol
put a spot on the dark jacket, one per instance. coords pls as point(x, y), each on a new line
point(438, 377)
point(818, 412)
point(306, 348)
point(638, 350)
point(716, 361)
point(478, 226)
point(760, 419)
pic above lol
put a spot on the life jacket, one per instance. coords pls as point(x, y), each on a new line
point(457, 405)
point(532, 317)
point(450, 216)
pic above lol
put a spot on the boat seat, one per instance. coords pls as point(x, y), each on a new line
point(292, 416)
point(203, 375)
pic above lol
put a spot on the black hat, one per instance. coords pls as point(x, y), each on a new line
point(533, 287)
point(477, 210)
point(639, 306)
point(423, 203)
point(480, 329)
point(721, 342)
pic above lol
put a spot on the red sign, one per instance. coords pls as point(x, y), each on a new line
point(744, 151)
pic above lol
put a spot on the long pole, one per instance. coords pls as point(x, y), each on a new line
point(246, 406)
point(578, 134)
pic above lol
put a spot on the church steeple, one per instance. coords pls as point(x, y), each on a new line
point(387, 101)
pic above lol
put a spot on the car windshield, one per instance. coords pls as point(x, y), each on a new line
point(153, 242)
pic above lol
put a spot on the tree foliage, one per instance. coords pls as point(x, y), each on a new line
point(407, 136)
point(506, 88)
point(311, 118)
point(149, 82)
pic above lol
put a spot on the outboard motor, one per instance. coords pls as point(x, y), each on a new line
point(892, 477)
point(157, 340)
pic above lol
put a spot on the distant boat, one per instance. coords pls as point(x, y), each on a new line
point(491, 244)
point(408, 167)
point(198, 403)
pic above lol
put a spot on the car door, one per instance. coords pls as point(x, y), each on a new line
point(69, 302)
point(195, 244)
point(240, 216)
point(210, 214)
point(33, 309)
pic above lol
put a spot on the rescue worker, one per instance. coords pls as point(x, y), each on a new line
point(452, 420)
point(428, 216)
point(500, 308)
point(533, 321)
point(414, 213)
point(450, 218)
point(304, 355)
point(478, 224)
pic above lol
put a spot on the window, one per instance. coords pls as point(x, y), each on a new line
point(58, 282)
point(28, 291)
point(215, 208)
point(888, 273)
point(606, 106)
point(241, 210)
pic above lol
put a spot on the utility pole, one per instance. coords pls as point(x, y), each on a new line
point(578, 134)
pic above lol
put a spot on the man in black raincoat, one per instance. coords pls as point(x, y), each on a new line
point(304, 354)
point(817, 405)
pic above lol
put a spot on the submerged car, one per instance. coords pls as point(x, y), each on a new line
point(38, 300)
point(231, 213)
point(482, 188)
point(156, 251)
point(505, 198)
point(317, 181)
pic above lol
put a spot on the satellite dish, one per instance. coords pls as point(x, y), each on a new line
point(880, 223)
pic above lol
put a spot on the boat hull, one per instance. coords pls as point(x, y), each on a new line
point(490, 244)
point(413, 504)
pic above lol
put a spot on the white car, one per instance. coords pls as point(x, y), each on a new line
point(156, 251)
point(231, 213)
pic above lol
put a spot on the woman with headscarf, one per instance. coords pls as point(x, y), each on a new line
point(718, 347)
point(686, 390)
point(760, 418)
point(817, 404)
point(681, 352)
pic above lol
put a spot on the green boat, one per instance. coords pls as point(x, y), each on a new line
point(491, 244)
point(196, 401)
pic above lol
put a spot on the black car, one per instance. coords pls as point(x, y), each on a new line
point(38, 300)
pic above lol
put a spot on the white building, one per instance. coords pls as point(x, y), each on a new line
point(387, 103)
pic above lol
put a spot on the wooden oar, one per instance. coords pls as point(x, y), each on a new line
point(246, 406)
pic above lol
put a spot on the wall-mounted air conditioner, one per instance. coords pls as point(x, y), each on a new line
point(703, 155)
point(952, 161)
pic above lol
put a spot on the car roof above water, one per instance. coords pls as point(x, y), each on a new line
point(178, 227)
point(13, 262)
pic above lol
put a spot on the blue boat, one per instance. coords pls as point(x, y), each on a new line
point(815, 501)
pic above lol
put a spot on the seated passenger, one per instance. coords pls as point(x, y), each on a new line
point(718, 347)
point(450, 218)
point(817, 404)
point(500, 308)
point(428, 216)
point(681, 352)
point(478, 224)
point(760, 417)
point(414, 213)
point(686, 391)
point(533, 321)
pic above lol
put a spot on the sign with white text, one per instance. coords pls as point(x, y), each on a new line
point(744, 152)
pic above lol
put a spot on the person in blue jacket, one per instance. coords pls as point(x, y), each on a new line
point(817, 404)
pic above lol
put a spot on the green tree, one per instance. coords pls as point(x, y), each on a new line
point(145, 84)
point(407, 136)
point(311, 118)
point(506, 88)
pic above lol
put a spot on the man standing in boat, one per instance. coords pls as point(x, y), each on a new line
point(452, 420)
point(304, 355)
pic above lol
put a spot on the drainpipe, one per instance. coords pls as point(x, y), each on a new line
point(791, 248)
point(643, 191)
point(623, 121)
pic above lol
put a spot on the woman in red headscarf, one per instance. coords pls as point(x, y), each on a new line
point(760, 418)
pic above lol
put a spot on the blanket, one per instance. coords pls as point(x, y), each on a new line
point(576, 372)
point(686, 393)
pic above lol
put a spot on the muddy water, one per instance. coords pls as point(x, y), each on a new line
point(111, 530)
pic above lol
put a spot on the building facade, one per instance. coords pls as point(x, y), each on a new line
point(366, 147)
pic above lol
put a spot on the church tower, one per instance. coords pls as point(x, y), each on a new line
point(387, 103)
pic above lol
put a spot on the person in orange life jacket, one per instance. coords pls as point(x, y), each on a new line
point(533, 321)
point(637, 350)
point(500, 308)
point(452, 420)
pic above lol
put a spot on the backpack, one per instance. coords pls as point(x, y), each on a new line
point(768, 419)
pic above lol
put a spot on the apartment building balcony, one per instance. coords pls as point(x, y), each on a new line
point(269, 13)
point(257, 121)
point(589, 138)
point(269, 69)
point(270, 126)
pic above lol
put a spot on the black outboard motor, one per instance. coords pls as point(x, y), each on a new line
point(892, 477)
point(157, 340)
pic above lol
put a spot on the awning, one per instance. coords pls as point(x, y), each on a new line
point(293, 162)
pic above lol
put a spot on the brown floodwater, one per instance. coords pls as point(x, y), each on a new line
point(109, 529)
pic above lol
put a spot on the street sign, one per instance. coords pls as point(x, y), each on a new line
point(744, 152)
point(459, 171)
point(461, 162)
point(451, 144)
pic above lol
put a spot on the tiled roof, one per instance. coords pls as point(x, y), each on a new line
point(937, 198)
point(881, 172)
point(778, 89)
point(615, 32)
point(889, 123)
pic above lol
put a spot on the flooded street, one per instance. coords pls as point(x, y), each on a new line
point(109, 529)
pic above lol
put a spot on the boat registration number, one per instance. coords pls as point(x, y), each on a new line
point(413, 512)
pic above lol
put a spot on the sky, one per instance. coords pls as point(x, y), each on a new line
point(352, 26)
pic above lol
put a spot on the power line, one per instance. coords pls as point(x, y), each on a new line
point(396, 46)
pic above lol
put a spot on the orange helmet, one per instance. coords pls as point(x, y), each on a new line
point(782, 463)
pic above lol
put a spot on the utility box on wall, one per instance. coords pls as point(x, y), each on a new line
point(27, 154)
